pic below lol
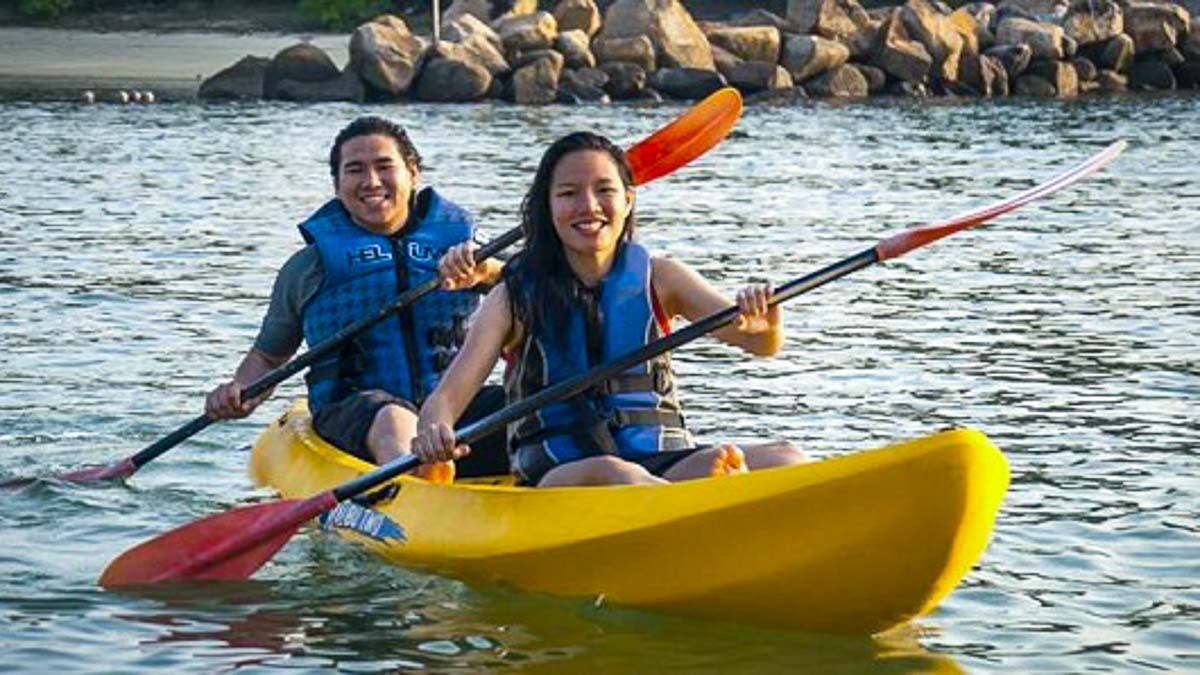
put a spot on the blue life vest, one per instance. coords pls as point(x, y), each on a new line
point(364, 272)
point(632, 415)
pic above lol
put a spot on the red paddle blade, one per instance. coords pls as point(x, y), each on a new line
point(92, 474)
point(229, 545)
point(686, 137)
point(899, 244)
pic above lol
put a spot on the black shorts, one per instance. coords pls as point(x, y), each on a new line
point(345, 423)
point(657, 464)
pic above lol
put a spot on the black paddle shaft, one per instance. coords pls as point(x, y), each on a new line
point(274, 377)
point(570, 387)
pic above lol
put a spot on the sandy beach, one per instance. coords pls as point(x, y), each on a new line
point(53, 64)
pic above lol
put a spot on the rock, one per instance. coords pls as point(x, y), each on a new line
point(1111, 81)
point(241, 81)
point(446, 79)
point(300, 63)
point(527, 32)
point(833, 19)
point(686, 83)
point(1046, 40)
point(974, 19)
point(908, 89)
point(1015, 58)
point(994, 77)
point(1172, 57)
point(1191, 45)
point(1086, 70)
point(386, 56)
point(537, 82)
point(581, 15)
point(937, 34)
point(754, 76)
point(760, 17)
point(1151, 75)
point(1155, 26)
point(345, 87)
point(638, 50)
point(1049, 11)
point(1115, 53)
point(750, 43)
point(1090, 21)
point(875, 77)
point(805, 56)
point(582, 86)
point(678, 41)
point(625, 80)
point(1060, 74)
point(512, 8)
point(843, 81)
point(1187, 75)
point(573, 44)
point(469, 27)
point(475, 49)
point(724, 60)
point(480, 9)
point(1034, 85)
point(899, 56)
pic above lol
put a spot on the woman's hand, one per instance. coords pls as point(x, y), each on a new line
point(436, 443)
point(458, 270)
point(225, 402)
point(757, 315)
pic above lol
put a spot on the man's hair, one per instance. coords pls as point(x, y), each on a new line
point(374, 126)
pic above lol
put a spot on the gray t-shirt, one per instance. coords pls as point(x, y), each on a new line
point(298, 280)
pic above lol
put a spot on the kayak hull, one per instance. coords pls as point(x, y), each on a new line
point(857, 543)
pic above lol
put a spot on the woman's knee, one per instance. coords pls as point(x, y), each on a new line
point(777, 453)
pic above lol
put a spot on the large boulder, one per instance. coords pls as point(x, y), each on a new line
point(1014, 58)
point(1115, 53)
point(833, 19)
point(678, 41)
point(1060, 74)
point(450, 79)
point(1112, 82)
point(754, 76)
point(241, 81)
point(937, 33)
point(876, 78)
point(582, 15)
point(760, 17)
point(900, 56)
point(585, 85)
point(805, 56)
point(625, 80)
point(573, 45)
point(301, 62)
point(537, 81)
point(345, 87)
point(385, 55)
point(480, 9)
point(844, 81)
point(1152, 74)
point(1091, 21)
point(1046, 40)
point(1155, 26)
point(475, 49)
point(976, 19)
point(1034, 85)
point(468, 27)
point(638, 50)
point(686, 83)
point(749, 43)
point(527, 32)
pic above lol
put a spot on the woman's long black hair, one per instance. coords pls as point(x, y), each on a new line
point(541, 285)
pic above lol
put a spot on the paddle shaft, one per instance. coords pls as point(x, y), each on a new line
point(326, 347)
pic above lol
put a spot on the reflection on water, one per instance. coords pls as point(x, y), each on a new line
point(137, 251)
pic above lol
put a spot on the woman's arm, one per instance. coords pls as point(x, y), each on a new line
point(486, 335)
point(683, 292)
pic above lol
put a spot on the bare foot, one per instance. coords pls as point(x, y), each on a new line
point(728, 460)
point(441, 473)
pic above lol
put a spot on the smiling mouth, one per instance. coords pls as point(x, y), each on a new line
point(589, 226)
point(373, 200)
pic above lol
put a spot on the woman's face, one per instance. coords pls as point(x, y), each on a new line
point(589, 203)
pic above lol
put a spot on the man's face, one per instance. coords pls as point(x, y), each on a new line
point(374, 183)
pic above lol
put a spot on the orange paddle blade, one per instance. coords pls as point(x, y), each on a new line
point(229, 545)
point(687, 137)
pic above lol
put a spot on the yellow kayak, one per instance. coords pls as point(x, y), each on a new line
point(858, 543)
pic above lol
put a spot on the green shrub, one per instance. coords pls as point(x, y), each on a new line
point(43, 9)
point(343, 14)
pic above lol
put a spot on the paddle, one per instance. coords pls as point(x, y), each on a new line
point(233, 544)
point(685, 138)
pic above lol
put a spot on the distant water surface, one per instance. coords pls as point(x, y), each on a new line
point(137, 249)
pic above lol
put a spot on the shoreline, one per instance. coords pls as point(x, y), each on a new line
point(55, 64)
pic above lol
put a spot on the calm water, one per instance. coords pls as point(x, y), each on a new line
point(137, 248)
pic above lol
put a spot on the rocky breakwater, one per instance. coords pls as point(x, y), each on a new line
point(648, 49)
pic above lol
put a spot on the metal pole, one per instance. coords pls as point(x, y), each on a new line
point(437, 23)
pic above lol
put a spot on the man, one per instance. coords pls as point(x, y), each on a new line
point(376, 238)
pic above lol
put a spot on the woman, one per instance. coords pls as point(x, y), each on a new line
point(581, 293)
